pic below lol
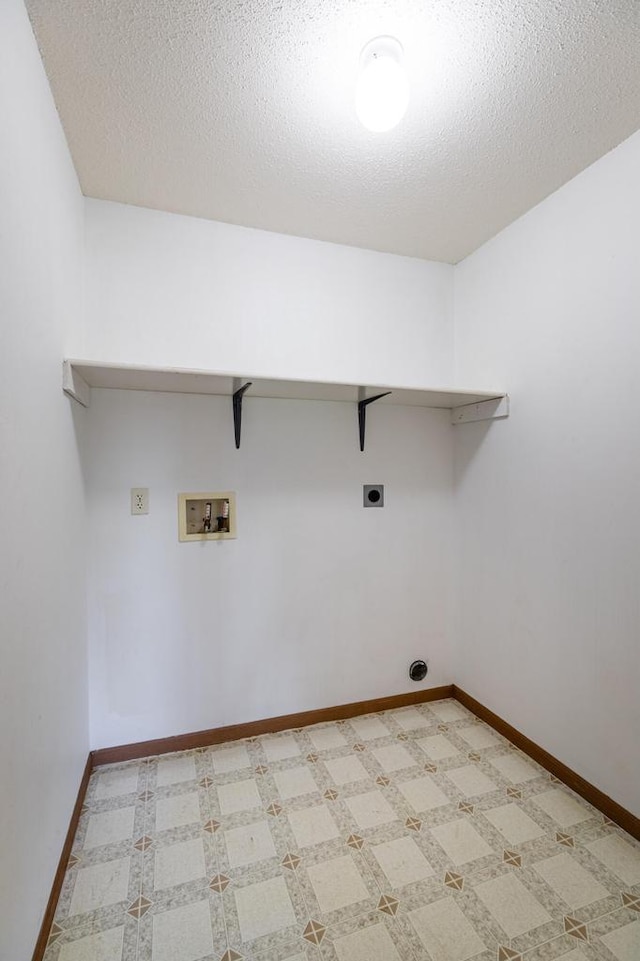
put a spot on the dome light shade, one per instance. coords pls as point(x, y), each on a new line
point(382, 89)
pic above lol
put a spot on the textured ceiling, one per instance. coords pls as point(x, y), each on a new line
point(242, 110)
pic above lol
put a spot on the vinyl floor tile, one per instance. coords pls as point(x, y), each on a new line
point(239, 796)
point(477, 736)
point(513, 906)
point(438, 747)
point(104, 946)
point(515, 768)
point(562, 807)
point(337, 883)
point(461, 841)
point(402, 862)
point(100, 885)
point(178, 863)
point(175, 769)
point(619, 856)
point(369, 728)
point(393, 758)
point(346, 770)
point(249, 844)
point(410, 720)
point(183, 934)
point(448, 711)
point(471, 780)
point(370, 809)
point(116, 783)
point(264, 908)
point(423, 794)
point(229, 759)
point(624, 943)
point(417, 834)
point(514, 824)
point(570, 881)
point(445, 931)
point(174, 812)
point(281, 747)
point(326, 738)
point(294, 782)
point(312, 826)
point(372, 943)
point(109, 827)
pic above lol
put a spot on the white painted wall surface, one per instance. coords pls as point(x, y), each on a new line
point(318, 602)
point(169, 290)
point(547, 505)
point(43, 684)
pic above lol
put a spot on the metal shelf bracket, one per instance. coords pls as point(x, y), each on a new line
point(363, 403)
point(238, 394)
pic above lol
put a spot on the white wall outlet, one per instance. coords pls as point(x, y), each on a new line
point(373, 495)
point(139, 500)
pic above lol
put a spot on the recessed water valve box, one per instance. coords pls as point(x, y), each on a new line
point(373, 495)
point(207, 517)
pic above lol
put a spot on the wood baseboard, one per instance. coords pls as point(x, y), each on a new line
point(235, 732)
point(186, 742)
point(52, 903)
point(628, 821)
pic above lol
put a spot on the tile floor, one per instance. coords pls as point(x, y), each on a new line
point(414, 834)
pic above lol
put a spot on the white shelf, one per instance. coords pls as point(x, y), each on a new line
point(81, 375)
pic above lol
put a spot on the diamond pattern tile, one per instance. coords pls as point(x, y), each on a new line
point(388, 904)
point(139, 907)
point(219, 883)
point(314, 932)
point(512, 857)
point(631, 901)
point(355, 841)
point(406, 835)
point(143, 843)
point(508, 954)
point(576, 929)
point(565, 839)
point(54, 933)
point(290, 861)
point(454, 881)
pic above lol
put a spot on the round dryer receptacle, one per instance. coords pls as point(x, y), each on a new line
point(418, 671)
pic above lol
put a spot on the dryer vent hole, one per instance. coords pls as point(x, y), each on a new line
point(418, 671)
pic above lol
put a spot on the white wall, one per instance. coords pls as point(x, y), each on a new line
point(318, 602)
point(164, 289)
point(43, 685)
point(547, 506)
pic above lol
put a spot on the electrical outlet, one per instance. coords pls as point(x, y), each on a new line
point(139, 500)
point(373, 495)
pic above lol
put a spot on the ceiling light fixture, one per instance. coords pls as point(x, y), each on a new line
point(382, 90)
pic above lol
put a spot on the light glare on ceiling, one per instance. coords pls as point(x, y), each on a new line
point(382, 89)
